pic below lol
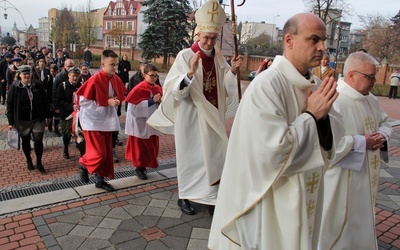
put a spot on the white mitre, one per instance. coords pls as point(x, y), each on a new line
point(210, 17)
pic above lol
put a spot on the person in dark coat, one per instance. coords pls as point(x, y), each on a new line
point(27, 110)
point(4, 64)
point(64, 101)
point(124, 67)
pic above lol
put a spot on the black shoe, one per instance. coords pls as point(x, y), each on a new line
point(57, 133)
point(66, 154)
point(104, 185)
point(50, 126)
point(83, 174)
point(30, 166)
point(140, 173)
point(186, 207)
point(40, 167)
point(211, 209)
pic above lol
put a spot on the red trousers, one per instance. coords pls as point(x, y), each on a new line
point(98, 157)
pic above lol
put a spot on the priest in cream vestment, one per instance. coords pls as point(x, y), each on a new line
point(194, 105)
point(351, 182)
point(269, 196)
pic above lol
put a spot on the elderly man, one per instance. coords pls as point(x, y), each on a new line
point(394, 83)
point(280, 142)
point(351, 182)
point(196, 89)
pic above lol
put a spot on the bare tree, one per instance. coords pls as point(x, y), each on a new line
point(86, 24)
point(382, 37)
point(329, 10)
point(118, 34)
point(63, 30)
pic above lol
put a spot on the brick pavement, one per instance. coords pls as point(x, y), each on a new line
point(146, 216)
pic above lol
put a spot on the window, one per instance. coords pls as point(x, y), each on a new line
point(129, 41)
point(119, 25)
point(108, 40)
point(131, 10)
point(110, 12)
point(108, 25)
point(129, 25)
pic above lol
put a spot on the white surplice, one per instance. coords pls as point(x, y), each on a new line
point(351, 182)
point(270, 186)
point(198, 126)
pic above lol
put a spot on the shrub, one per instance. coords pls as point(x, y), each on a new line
point(380, 89)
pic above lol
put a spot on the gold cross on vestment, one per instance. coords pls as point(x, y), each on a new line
point(374, 162)
point(369, 123)
point(214, 11)
point(312, 182)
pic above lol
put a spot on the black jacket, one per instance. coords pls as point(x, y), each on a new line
point(64, 98)
point(40, 106)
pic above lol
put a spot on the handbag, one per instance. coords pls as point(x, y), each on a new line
point(13, 139)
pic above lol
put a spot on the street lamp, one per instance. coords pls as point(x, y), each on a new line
point(273, 29)
point(11, 6)
point(337, 44)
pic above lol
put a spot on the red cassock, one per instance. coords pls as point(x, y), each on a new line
point(142, 152)
point(98, 157)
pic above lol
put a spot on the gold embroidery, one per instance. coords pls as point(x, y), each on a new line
point(375, 162)
point(374, 180)
point(310, 208)
point(209, 81)
point(369, 123)
point(312, 183)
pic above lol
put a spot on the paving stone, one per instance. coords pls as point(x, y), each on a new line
point(82, 230)
point(72, 210)
point(110, 223)
point(172, 213)
point(73, 218)
point(200, 233)
point(197, 244)
point(147, 221)
point(70, 242)
point(94, 244)
point(121, 236)
point(156, 245)
point(145, 200)
point(54, 248)
point(158, 203)
point(143, 194)
point(384, 173)
point(182, 230)
point(43, 230)
point(153, 211)
point(134, 210)
point(90, 220)
point(98, 211)
point(52, 215)
point(389, 204)
point(394, 198)
point(39, 221)
point(168, 222)
point(139, 243)
point(165, 195)
point(173, 204)
point(109, 201)
point(176, 242)
point(49, 240)
point(102, 233)
point(204, 222)
point(383, 197)
point(90, 206)
point(59, 228)
point(119, 213)
point(131, 225)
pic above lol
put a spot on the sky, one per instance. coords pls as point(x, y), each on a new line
point(270, 11)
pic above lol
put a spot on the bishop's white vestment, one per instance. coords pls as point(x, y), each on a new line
point(351, 182)
point(198, 126)
point(270, 186)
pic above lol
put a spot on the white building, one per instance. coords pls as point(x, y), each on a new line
point(254, 29)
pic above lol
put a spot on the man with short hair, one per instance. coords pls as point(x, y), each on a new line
point(394, 83)
point(351, 181)
point(280, 142)
point(99, 98)
point(4, 64)
point(60, 77)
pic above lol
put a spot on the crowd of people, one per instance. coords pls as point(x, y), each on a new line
point(299, 170)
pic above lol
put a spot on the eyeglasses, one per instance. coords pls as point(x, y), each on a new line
point(370, 77)
point(152, 76)
point(214, 38)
